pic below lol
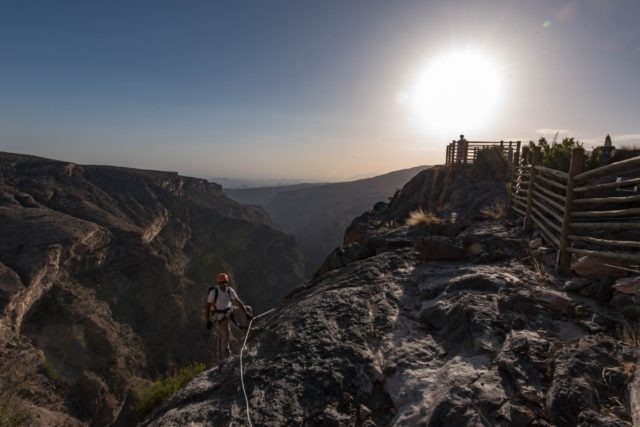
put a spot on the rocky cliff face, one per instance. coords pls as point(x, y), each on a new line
point(103, 276)
point(434, 325)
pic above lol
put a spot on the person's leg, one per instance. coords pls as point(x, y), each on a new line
point(225, 337)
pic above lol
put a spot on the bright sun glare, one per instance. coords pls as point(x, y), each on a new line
point(457, 93)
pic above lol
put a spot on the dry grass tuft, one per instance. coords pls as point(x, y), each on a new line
point(390, 224)
point(420, 217)
point(629, 334)
point(538, 266)
point(497, 210)
point(628, 369)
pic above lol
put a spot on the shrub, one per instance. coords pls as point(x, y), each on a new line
point(15, 376)
point(496, 210)
point(147, 398)
point(557, 155)
point(420, 217)
point(10, 416)
point(380, 206)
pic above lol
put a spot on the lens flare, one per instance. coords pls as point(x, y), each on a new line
point(457, 93)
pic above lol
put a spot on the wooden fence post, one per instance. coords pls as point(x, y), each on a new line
point(516, 159)
point(525, 156)
point(510, 156)
point(536, 160)
point(465, 151)
point(563, 262)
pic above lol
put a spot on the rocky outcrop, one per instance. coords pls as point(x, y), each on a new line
point(465, 192)
point(104, 272)
point(389, 334)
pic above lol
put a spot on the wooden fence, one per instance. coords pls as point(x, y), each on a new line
point(463, 152)
point(595, 212)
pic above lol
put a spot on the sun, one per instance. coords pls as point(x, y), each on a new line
point(457, 93)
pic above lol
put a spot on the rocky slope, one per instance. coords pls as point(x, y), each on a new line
point(317, 215)
point(103, 276)
point(439, 325)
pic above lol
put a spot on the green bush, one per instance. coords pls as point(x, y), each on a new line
point(557, 155)
point(12, 417)
point(153, 395)
point(380, 206)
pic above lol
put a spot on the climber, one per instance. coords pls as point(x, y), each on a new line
point(220, 308)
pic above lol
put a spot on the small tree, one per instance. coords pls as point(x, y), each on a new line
point(557, 155)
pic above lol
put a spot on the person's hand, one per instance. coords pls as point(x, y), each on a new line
point(209, 324)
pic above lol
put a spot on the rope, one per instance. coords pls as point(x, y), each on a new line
point(244, 344)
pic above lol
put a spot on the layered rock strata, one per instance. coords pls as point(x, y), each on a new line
point(103, 276)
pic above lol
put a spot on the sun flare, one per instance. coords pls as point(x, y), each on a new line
point(457, 93)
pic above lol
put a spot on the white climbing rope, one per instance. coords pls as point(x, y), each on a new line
point(244, 344)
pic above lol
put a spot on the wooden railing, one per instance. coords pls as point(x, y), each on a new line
point(463, 152)
point(595, 212)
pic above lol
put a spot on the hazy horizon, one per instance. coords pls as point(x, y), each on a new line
point(315, 91)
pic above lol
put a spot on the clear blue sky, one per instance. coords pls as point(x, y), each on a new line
point(300, 89)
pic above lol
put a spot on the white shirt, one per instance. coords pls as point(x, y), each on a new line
point(225, 298)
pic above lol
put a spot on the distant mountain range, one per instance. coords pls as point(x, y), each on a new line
point(317, 214)
point(236, 183)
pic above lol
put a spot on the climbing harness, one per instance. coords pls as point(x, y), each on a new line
point(244, 344)
point(227, 314)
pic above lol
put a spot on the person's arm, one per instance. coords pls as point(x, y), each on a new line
point(240, 304)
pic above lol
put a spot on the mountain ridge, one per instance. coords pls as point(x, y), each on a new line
point(104, 274)
point(317, 215)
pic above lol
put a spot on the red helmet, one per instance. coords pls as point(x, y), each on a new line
point(223, 277)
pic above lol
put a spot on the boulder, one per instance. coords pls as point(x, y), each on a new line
point(593, 266)
point(628, 285)
point(555, 300)
point(576, 283)
point(626, 305)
